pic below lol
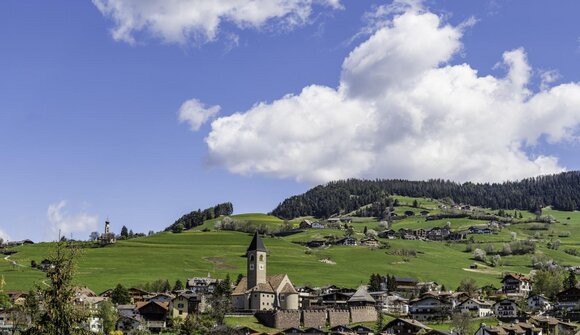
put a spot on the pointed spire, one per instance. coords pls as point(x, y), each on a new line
point(256, 244)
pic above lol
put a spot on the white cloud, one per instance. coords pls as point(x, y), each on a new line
point(60, 220)
point(196, 113)
point(548, 77)
point(402, 111)
point(179, 21)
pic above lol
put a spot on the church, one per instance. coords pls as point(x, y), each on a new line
point(258, 291)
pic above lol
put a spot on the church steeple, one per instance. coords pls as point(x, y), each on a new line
point(256, 244)
point(256, 262)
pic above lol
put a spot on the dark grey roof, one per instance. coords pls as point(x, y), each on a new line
point(256, 244)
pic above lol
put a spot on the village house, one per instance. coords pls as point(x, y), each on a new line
point(480, 230)
point(258, 291)
point(129, 325)
point(407, 287)
point(334, 299)
point(552, 326)
point(201, 284)
point(154, 315)
point(395, 304)
point(538, 302)
point(349, 241)
point(362, 330)
point(129, 319)
point(568, 300)
point(305, 224)
point(429, 308)
point(318, 225)
point(477, 308)
point(370, 242)
point(187, 303)
point(516, 328)
point(341, 329)
point(160, 297)
point(506, 309)
point(388, 234)
point(514, 284)
point(404, 326)
point(137, 294)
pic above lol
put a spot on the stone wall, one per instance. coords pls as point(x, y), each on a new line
point(279, 319)
point(363, 314)
point(338, 317)
point(314, 318)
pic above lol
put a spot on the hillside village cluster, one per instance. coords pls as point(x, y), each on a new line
point(277, 303)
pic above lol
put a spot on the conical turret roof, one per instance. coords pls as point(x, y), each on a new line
point(361, 295)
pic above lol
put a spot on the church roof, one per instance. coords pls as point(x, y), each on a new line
point(256, 244)
point(272, 285)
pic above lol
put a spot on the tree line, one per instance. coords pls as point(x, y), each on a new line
point(198, 217)
point(561, 191)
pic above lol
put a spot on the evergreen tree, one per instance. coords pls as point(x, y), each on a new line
point(380, 320)
point(59, 315)
point(124, 232)
point(220, 300)
point(120, 295)
point(178, 285)
point(570, 281)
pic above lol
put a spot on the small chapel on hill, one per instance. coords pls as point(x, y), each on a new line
point(259, 292)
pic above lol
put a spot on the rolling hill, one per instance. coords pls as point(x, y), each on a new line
point(203, 250)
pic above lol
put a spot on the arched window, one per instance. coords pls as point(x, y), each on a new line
point(251, 258)
point(261, 258)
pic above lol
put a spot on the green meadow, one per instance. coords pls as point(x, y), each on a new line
point(203, 250)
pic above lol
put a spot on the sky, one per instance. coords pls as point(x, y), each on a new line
point(143, 110)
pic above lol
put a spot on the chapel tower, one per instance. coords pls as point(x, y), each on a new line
point(257, 254)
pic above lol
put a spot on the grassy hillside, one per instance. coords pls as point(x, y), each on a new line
point(197, 253)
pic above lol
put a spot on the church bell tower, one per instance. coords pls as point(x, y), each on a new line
point(257, 254)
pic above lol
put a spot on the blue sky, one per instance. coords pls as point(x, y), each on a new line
point(90, 105)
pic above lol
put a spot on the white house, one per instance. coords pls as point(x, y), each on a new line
point(477, 307)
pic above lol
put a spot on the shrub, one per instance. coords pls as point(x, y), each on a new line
point(403, 252)
point(489, 249)
point(469, 247)
point(564, 234)
point(479, 255)
point(506, 249)
point(573, 252)
point(495, 261)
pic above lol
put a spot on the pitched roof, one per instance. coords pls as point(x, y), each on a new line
point(288, 289)
point(256, 244)
point(410, 322)
point(361, 295)
point(516, 276)
point(275, 280)
point(242, 287)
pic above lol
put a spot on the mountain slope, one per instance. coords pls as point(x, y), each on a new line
point(561, 191)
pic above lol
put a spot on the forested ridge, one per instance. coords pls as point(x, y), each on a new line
point(561, 191)
point(198, 217)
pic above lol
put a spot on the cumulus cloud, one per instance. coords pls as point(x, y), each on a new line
point(402, 110)
point(196, 113)
point(178, 21)
point(60, 220)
